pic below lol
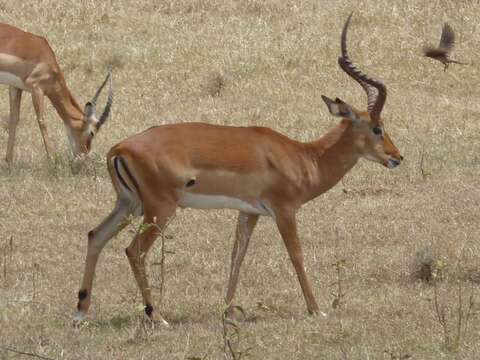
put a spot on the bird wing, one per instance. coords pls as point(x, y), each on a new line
point(447, 41)
point(433, 52)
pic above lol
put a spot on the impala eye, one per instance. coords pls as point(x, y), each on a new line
point(377, 130)
point(92, 134)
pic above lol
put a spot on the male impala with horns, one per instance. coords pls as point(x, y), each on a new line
point(254, 170)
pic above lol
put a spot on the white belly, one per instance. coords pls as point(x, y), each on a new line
point(201, 201)
point(12, 80)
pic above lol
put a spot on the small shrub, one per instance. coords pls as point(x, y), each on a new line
point(424, 265)
point(213, 84)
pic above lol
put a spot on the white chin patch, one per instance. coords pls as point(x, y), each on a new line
point(392, 163)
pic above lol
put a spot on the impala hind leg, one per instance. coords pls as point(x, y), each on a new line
point(15, 100)
point(245, 225)
point(155, 221)
point(287, 226)
point(97, 239)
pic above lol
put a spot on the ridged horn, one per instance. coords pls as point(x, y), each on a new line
point(375, 89)
point(93, 103)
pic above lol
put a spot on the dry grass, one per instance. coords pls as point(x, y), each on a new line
point(250, 63)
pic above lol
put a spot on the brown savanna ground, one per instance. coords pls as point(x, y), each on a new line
point(252, 63)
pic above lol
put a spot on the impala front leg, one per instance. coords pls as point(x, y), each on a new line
point(245, 225)
point(15, 99)
point(287, 226)
point(39, 105)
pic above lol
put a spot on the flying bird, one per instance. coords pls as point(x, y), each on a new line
point(445, 47)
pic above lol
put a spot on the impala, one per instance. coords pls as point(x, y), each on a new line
point(28, 63)
point(254, 170)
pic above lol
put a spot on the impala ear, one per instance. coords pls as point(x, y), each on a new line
point(89, 110)
point(340, 108)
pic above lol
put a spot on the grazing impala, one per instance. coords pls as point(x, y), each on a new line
point(27, 63)
point(251, 169)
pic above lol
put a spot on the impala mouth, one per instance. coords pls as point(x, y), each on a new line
point(393, 163)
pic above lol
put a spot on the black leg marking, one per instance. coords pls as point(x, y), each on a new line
point(148, 310)
point(82, 294)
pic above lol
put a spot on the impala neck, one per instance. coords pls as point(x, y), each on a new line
point(66, 105)
point(333, 155)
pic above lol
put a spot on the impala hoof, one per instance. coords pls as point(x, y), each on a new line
point(79, 317)
point(317, 313)
point(155, 316)
point(235, 313)
point(158, 319)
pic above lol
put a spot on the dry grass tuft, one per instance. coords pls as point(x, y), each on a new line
point(117, 61)
point(424, 265)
